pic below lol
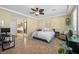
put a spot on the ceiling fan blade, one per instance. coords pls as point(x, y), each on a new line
point(41, 10)
point(42, 13)
point(32, 12)
point(37, 9)
point(33, 9)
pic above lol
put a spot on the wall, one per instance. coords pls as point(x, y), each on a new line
point(8, 17)
point(57, 23)
point(31, 25)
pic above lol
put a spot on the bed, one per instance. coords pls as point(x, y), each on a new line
point(44, 34)
point(20, 29)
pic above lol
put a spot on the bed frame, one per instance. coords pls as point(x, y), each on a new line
point(40, 39)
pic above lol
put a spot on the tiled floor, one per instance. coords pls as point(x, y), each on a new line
point(26, 44)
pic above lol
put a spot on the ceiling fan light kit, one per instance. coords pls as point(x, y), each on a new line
point(37, 11)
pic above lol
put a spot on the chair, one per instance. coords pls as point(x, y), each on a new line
point(72, 44)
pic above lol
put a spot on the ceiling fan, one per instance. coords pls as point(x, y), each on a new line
point(37, 11)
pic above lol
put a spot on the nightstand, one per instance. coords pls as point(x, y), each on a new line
point(62, 36)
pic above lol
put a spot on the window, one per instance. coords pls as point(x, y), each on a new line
point(1, 23)
point(75, 19)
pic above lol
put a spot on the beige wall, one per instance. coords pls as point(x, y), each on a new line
point(7, 17)
point(31, 25)
point(57, 23)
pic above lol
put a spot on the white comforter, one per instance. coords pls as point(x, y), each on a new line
point(47, 35)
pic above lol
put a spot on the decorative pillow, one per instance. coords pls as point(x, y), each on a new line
point(45, 29)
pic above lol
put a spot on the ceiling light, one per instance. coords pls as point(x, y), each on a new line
point(36, 13)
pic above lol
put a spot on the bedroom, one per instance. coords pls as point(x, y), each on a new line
point(30, 22)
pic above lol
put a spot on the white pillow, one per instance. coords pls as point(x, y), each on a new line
point(45, 29)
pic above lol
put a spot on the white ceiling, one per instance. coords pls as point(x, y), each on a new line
point(24, 10)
